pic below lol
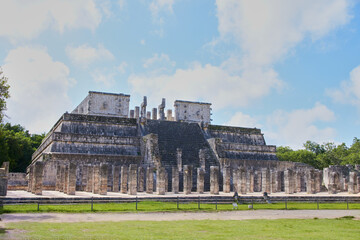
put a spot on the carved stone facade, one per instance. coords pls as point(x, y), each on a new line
point(101, 147)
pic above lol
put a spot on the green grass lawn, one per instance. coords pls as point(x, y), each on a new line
point(328, 229)
point(151, 206)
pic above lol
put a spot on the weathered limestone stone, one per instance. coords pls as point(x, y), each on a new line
point(179, 159)
point(202, 158)
point(279, 181)
point(273, 181)
point(132, 114)
point(66, 175)
point(154, 114)
point(137, 112)
point(166, 182)
point(310, 181)
point(143, 107)
point(71, 179)
point(265, 180)
point(200, 180)
point(332, 186)
point(187, 179)
point(133, 179)
point(318, 180)
point(148, 115)
point(236, 179)
point(289, 179)
point(84, 175)
point(161, 110)
point(250, 181)
point(62, 178)
point(175, 179)
point(352, 187)
point(103, 178)
point(169, 116)
point(226, 179)
point(242, 186)
point(30, 182)
point(141, 179)
point(116, 178)
point(90, 177)
point(257, 181)
point(124, 179)
point(96, 179)
point(4, 173)
point(38, 177)
point(297, 181)
point(149, 180)
point(214, 180)
point(58, 177)
point(160, 181)
point(358, 183)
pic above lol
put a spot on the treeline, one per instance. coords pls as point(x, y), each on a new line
point(322, 155)
point(17, 145)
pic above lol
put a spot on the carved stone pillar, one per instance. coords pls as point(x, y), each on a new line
point(200, 180)
point(116, 178)
point(141, 179)
point(175, 179)
point(124, 179)
point(71, 179)
point(149, 180)
point(103, 178)
point(187, 179)
point(226, 179)
point(160, 181)
point(214, 180)
point(132, 179)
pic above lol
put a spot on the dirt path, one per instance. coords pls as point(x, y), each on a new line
point(228, 215)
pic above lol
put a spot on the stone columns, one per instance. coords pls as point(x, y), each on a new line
point(332, 185)
point(96, 179)
point(38, 178)
point(242, 185)
point(160, 181)
point(149, 180)
point(250, 181)
point(289, 181)
point(166, 182)
point(200, 180)
point(175, 179)
point(141, 179)
point(310, 181)
point(318, 180)
point(226, 179)
point(103, 178)
point(202, 158)
point(257, 181)
point(297, 181)
point(273, 181)
point(30, 182)
point(116, 178)
point(58, 177)
point(71, 179)
point(84, 177)
point(90, 178)
point(187, 179)
point(66, 175)
point(265, 180)
point(179, 159)
point(124, 179)
point(137, 112)
point(154, 114)
point(148, 115)
point(132, 113)
point(214, 180)
point(236, 179)
point(132, 179)
point(352, 187)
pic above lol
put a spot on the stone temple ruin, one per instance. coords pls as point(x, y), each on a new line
point(101, 146)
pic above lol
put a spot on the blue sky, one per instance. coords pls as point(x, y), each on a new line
point(291, 68)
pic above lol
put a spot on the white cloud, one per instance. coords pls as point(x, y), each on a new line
point(159, 62)
point(21, 19)
point(142, 42)
point(122, 67)
point(243, 120)
point(349, 91)
point(84, 55)
point(296, 127)
point(267, 30)
point(122, 4)
point(157, 6)
point(38, 88)
point(207, 83)
point(104, 77)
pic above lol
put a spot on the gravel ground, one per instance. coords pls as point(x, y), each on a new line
point(224, 215)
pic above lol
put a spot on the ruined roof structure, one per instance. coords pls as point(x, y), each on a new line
point(101, 135)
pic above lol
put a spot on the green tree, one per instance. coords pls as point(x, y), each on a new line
point(4, 94)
